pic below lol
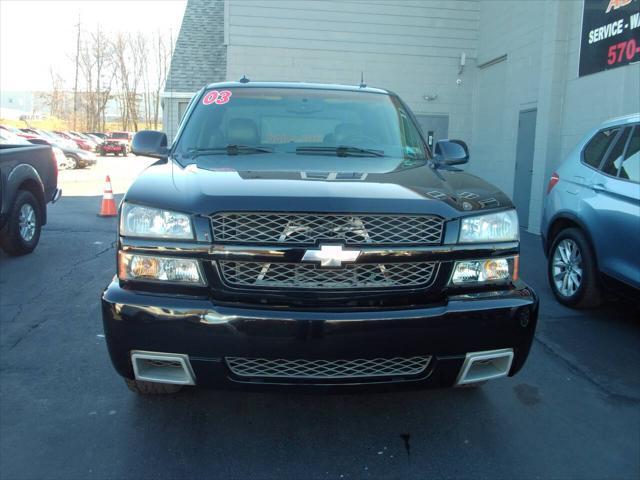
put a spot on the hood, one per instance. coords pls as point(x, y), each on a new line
point(321, 184)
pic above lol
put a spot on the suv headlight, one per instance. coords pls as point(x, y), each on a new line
point(494, 227)
point(139, 221)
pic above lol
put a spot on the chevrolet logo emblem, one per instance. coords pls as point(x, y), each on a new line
point(331, 256)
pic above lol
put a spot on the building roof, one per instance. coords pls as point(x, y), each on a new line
point(200, 55)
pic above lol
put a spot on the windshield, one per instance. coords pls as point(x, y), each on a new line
point(300, 121)
point(119, 135)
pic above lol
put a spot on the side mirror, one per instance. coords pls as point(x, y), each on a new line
point(451, 152)
point(150, 143)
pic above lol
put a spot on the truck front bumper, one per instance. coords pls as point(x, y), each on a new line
point(208, 335)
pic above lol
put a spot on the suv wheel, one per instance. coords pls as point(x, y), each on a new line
point(151, 388)
point(22, 232)
point(572, 270)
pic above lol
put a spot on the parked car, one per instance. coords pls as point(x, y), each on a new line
point(28, 181)
point(82, 143)
point(30, 133)
point(304, 235)
point(112, 146)
point(62, 142)
point(7, 137)
point(591, 219)
point(75, 158)
point(79, 144)
point(122, 137)
point(17, 131)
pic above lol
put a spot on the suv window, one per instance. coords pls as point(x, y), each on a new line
point(614, 159)
point(630, 168)
point(597, 147)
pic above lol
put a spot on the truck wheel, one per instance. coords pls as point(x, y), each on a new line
point(151, 388)
point(572, 271)
point(22, 232)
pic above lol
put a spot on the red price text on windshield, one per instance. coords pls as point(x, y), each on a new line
point(216, 97)
point(623, 51)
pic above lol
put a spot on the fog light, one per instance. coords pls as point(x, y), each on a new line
point(477, 271)
point(159, 269)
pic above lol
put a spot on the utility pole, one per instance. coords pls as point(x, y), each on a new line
point(75, 86)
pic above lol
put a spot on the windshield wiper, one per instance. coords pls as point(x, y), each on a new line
point(231, 149)
point(341, 151)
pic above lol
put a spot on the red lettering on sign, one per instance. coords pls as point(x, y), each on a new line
point(618, 51)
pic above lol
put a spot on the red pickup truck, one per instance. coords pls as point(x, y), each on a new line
point(116, 143)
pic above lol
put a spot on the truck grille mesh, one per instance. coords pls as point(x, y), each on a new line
point(327, 369)
point(308, 228)
point(297, 275)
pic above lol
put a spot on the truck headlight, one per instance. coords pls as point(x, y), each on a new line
point(139, 221)
point(132, 266)
point(481, 271)
point(494, 227)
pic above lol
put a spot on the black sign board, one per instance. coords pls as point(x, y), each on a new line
point(610, 35)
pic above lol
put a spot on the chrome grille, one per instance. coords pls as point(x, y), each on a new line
point(298, 275)
point(308, 228)
point(327, 369)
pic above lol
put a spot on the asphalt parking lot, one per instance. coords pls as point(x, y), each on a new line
point(573, 412)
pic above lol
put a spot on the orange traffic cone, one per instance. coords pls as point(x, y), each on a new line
point(108, 208)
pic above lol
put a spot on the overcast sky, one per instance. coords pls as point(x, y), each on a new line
point(35, 35)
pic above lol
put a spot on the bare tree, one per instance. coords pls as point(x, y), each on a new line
point(55, 99)
point(129, 69)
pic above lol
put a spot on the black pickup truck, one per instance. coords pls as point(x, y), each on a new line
point(304, 235)
point(28, 181)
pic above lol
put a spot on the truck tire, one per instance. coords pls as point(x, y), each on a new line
point(571, 269)
point(151, 388)
point(22, 232)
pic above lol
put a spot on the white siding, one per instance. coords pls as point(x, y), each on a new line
point(410, 47)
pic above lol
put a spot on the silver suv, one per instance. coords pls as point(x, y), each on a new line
point(591, 218)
